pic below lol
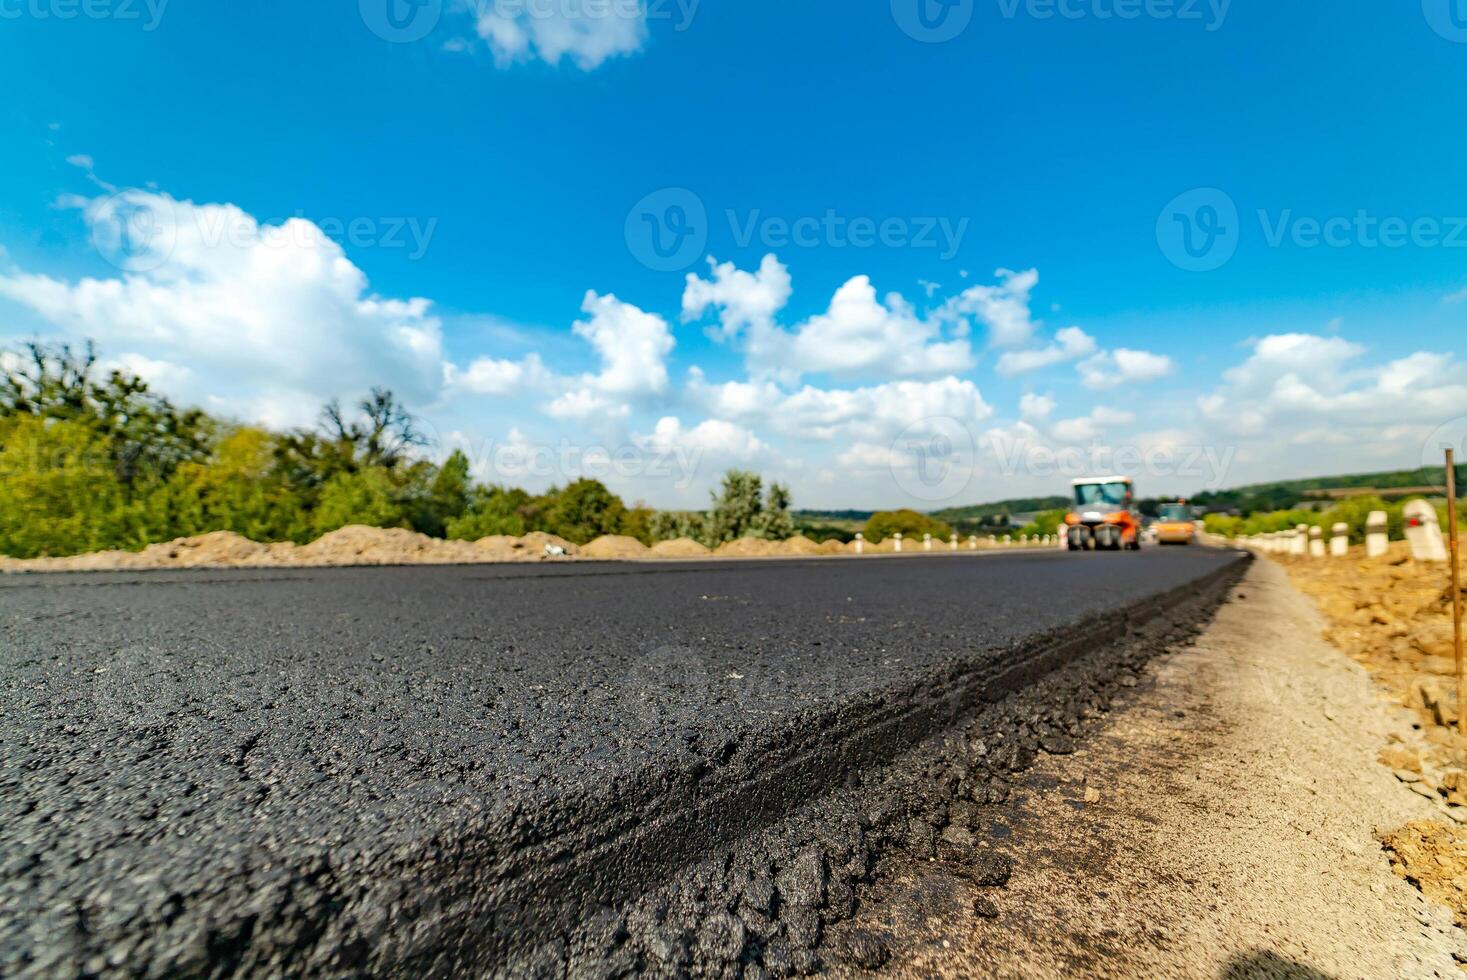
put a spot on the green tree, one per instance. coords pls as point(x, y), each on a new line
point(492, 511)
point(583, 511)
point(741, 510)
point(446, 495)
point(367, 497)
point(59, 494)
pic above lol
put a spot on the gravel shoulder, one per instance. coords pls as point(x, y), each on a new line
point(1224, 823)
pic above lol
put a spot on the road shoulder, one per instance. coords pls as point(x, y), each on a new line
point(1223, 824)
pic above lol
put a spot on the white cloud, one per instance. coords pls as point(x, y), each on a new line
point(1003, 309)
point(261, 311)
point(857, 336)
point(746, 301)
point(1088, 428)
point(490, 376)
point(723, 441)
point(1034, 407)
point(587, 32)
point(1123, 366)
point(1295, 381)
point(1070, 344)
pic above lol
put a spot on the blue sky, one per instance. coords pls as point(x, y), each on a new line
point(466, 215)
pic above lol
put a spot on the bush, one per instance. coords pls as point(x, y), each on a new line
point(364, 497)
point(883, 524)
point(493, 511)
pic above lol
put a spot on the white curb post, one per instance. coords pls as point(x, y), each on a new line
point(993, 541)
point(926, 542)
point(1316, 542)
point(1299, 544)
point(953, 544)
point(860, 543)
point(972, 542)
point(1339, 544)
point(897, 537)
point(1377, 534)
point(1424, 531)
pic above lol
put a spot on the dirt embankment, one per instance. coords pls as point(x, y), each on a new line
point(356, 545)
point(1393, 616)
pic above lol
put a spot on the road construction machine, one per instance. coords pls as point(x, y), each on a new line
point(1104, 517)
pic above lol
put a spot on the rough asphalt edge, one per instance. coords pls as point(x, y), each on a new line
point(526, 910)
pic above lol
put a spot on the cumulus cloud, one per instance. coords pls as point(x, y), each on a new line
point(1123, 366)
point(1088, 428)
point(1294, 380)
point(1002, 308)
point(1034, 407)
point(858, 335)
point(1070, 344)
point(585, 32)
point(745, 301)
point(263, 310)
point(875, 413)
point(723, 441)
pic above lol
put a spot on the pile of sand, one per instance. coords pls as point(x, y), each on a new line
point(800, 545)
point(749, 548)
point(680, 548)
point(358, 545)
point(615, 546)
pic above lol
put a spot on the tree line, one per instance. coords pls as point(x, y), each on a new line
point(90, 462)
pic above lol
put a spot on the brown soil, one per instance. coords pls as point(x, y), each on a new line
point(680, 548)
point(615, 546)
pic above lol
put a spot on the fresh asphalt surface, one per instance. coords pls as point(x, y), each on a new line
point(220, 754)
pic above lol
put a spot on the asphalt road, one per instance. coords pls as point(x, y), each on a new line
point(390, 768)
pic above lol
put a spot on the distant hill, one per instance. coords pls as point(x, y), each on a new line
point(980, 513)
point(1283, 494)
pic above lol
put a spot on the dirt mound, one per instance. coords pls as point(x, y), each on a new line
point(537, 543)
point(748, 548)
point(1433, 857)
point(833, 547)
point(680, 548)
point(799, 545)
point(615, 546)
point(358, 545)
point(216, 548)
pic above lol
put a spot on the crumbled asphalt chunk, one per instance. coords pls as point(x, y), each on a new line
point(801, 884)
point(956, 845)
point(984, 908)
point(267, 797)
point(991, 869)
point(864, 948)
point(1057, 743)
